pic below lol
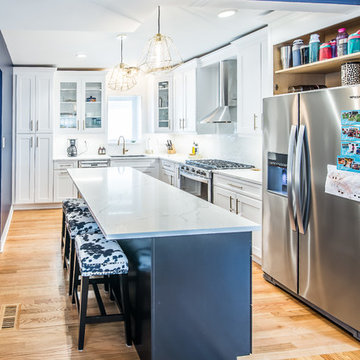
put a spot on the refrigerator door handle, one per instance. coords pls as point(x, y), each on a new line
point(290, 178)
point(302, 181)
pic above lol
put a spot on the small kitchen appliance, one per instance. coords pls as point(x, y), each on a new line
point(72, 149)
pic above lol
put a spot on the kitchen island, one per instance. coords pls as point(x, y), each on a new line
point(190, 264)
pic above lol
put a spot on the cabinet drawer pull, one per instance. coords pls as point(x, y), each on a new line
point(63, 172)
point(37, 125)
point(230, 198)
point(31, 125)
point(237, 207)
point(31, 142)
point(37, 141)
point(78, 126)
point(236, 186)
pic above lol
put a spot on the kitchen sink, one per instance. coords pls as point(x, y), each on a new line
point(127, 156)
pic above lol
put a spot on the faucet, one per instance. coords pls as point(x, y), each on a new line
point(124, 150)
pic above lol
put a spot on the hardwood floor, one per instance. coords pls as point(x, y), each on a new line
point(31, 275)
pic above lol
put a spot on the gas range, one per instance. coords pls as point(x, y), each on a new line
point(200, 171)
point(215, 164)
point(204, 167)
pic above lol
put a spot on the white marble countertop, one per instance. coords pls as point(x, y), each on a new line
point(129, 204)
point(245, 174)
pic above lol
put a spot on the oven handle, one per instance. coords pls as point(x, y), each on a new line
point(194, 177)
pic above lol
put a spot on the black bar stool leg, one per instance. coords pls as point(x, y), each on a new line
point(62, 229)
point(106, 284)
point(126, 308)
point(83, 308)
point(71, 263)
point(75, 280)
point(66, 248)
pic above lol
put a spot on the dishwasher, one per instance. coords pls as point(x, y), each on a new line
point(94, 163)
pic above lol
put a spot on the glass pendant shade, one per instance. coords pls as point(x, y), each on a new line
point(160, 53)
point(122, 77)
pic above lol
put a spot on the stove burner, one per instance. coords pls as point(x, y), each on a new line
point(214, 164)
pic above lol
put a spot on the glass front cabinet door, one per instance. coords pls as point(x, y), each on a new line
point(163, 105)
point(69, 105)
point(81, 104)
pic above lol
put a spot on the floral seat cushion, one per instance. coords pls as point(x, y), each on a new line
point(70, 205)
point(98, 256)
point(81, 222)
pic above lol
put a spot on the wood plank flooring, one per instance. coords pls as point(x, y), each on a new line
point(31, 275)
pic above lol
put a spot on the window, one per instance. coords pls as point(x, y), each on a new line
point(124, 114)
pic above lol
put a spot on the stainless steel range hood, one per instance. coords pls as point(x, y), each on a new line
point(221, 115)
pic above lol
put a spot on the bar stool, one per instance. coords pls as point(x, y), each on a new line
point(69, 206)
point(78, 222)
point(96, 256)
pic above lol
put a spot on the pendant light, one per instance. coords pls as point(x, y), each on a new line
point(160, 53)
point(122, 77)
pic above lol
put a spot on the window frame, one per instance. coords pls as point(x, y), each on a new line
point(136, 121)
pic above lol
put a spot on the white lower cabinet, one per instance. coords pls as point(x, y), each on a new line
point(34, 170)
point(64, 187)
point(234, 200)
point(169, 172)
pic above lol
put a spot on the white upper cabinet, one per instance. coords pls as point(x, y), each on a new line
point(44, 85)
point(34, 92)
point(163, 104)
point(184, 83)
point(253, 75)
point(25, 95)
point(80, 101)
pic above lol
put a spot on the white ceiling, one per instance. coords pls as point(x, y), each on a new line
point(52, 32)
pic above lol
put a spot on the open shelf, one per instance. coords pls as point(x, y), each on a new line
point(321, 67)
point(326, 72)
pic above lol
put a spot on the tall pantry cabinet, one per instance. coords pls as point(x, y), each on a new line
point(33, 90)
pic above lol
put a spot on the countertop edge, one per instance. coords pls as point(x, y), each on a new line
point(235, 176)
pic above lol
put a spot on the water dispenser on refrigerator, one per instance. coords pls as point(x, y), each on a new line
point(277, 173)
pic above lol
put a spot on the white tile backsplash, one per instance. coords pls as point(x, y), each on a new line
point(233, 147)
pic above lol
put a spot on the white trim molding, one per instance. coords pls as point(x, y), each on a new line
point(6, 229)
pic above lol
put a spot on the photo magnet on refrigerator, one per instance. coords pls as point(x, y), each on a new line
point(350, 133)
point(350, 148)
point(351, 117)
point(349, 163)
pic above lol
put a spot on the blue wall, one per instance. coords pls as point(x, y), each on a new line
point(6, 130)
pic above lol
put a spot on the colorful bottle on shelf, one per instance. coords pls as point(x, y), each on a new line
point(354, 43)
point(341, 42)
point(333, 48)
point(314, 46)
point(304, 52)
point(296, 57)
point(325, 51)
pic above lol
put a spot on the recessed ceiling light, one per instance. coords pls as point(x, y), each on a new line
point(81, 55)
point(226, 13)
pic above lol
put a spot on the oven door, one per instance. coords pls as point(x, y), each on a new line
point(195, 185)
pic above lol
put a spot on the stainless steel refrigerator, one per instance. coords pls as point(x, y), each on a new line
point(311, 239)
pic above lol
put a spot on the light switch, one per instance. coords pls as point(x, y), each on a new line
point(3, 142)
